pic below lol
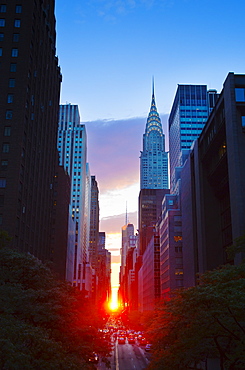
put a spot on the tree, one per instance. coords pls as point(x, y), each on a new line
point(45, 323)
point(206, 321)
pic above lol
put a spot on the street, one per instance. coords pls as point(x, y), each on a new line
point(127, 357)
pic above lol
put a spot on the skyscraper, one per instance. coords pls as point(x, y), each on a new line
point(191, 107)
point(72, 146)
point(29, 102)
point(153, 158)
point(94, 223)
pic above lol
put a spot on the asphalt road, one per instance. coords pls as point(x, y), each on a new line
point(127, 357)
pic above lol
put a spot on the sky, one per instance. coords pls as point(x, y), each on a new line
point(108, 52)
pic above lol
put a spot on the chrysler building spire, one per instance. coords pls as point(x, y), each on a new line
point(153, 159)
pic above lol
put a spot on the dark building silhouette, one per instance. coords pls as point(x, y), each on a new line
point(150, 207)
point(94, 223)
point(60, 219)
point(29, 101)
point(104, 272)
point(213, 182)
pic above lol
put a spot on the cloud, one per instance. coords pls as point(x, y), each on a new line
point(113, 151)
point(110, 224)
point(111, 9)
point(116, 258)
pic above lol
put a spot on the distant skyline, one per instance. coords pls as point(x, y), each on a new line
point(110, 50)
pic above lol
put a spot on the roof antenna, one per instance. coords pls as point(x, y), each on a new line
point(153, 86)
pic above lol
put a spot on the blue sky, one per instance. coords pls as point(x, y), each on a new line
point(108, 52)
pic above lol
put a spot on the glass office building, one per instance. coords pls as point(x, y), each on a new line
point(190, 110)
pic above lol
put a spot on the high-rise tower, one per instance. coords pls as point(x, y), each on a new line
point(191, 107)
point(29, 102)
point(94, 223)
point(153, 158)
point(72, 146)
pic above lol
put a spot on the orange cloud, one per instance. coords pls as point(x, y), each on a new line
point(116, 259)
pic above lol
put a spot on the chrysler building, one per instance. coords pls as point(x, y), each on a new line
point(153, 158)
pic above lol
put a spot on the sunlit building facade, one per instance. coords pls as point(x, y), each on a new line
point(127, 234)
point(149, 275)
point(72, 147)
point(103, 272)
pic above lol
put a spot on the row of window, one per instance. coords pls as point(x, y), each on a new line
point(14, 52)
point(16, 23)
point(18, 9)
point(240, 94)
point(16, 37)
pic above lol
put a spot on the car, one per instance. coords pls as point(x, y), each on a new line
point(143, 341)
point(94, 358)
point(148, 347)
point(121, 340)
point(131, 340)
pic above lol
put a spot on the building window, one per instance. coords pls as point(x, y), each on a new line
point(3, 8)
point(14, 53)
point(9, 114)
point(2, 22)
point(240, 94)
point(1, 52)
point(4, 165)
point(10, 98)
point(178, 271)
point(17, 23)
point(7, 131)
point(5, 147)
point(18, 9)
point(13, 67)
point(2, 182)
point(243, 122)
point(1, 200)
point(1, 36)
point(16, 37)
point(177, 238)
point(12, 82)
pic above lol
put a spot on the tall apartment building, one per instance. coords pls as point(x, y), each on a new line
point(191, 107)
point(72, 147)
point(29, 101)
point(153, 158)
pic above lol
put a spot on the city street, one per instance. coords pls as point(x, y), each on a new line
point(127, 357)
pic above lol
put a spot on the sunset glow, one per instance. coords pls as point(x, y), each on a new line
point(113, 305)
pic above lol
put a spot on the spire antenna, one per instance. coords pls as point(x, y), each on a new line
point(126, 214)
point(152, 85)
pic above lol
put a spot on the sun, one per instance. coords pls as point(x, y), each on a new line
point(113, 305)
